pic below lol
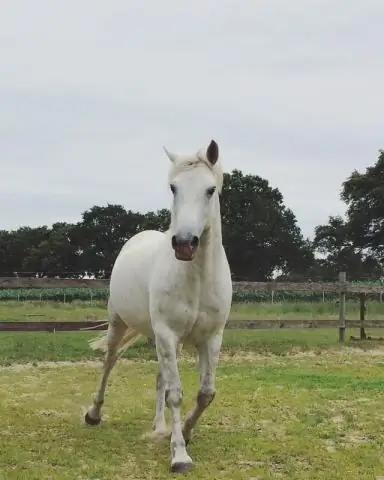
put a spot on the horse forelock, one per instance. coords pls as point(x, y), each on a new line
point(184, 164)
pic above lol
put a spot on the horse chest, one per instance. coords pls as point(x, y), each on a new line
point(178, 305)
point(189, 305)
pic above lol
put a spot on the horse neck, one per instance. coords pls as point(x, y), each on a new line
point(210, 243)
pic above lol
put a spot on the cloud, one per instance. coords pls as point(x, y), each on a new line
point(91, 90)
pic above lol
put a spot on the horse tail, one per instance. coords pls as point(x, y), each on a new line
point(128, 339)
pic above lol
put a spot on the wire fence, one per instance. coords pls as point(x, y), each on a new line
point(91, 295)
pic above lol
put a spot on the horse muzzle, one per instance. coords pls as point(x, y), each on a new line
point(185, 246)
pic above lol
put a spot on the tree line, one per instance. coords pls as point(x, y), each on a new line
point(260, 234)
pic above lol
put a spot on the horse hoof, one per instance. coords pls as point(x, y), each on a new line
point(181, 467)
point(91, 421)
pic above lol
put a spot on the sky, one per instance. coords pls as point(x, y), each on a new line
point(91, 90)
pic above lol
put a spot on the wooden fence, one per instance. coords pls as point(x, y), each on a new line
point(327, 287)
point(342, 287)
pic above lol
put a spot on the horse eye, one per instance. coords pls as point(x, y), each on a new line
point(173, 188)
point(211, 191)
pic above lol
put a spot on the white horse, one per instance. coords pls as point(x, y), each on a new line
point(174, 287)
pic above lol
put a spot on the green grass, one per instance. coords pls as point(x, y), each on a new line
point(22, 347)
point(80, 310)
point(49, 311)
point(297, 417)
point(304, 311)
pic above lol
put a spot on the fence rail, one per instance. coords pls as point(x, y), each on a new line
point(342, 287)
point(76, 326)
point(332, 287)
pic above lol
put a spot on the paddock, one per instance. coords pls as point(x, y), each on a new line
point(290, 404)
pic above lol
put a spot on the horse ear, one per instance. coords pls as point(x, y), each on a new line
point(172, 157)
point(213, 152)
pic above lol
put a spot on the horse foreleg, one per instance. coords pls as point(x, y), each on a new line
point(209, 353)
point(166, 348)
point(116, 330)
point(159, 424)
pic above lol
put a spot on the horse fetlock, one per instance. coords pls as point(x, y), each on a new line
point(90, 420)
point(181, 467)
point(181, 461)
point(205, 398)
point(97, 401)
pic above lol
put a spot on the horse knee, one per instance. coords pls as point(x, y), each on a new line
point(205, 398)
point(174, 397)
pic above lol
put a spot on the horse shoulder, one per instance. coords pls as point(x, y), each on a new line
point(142, 237)
point(131, 272)
point(216, 298)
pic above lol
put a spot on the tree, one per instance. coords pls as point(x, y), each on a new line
point(8, 261)
point(260, 234)
point(159, 220)
point(335, 242)
point(100, 236)
point(364, 195)
point(15, 246)
point(54, 255)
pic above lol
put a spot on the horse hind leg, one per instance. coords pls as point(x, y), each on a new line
point(111, 343)
point(159, 425)
point(208, 359)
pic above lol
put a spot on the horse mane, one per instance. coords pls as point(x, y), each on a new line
point(185, 163)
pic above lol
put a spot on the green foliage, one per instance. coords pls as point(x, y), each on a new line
point(364, 195)
point(334, 240)
point(95, 294)
point(54, 294)
point(260, 233)
point(72, 294)
point(356, 244)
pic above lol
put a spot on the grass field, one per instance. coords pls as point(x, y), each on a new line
point(80, 310)
point(290, 405)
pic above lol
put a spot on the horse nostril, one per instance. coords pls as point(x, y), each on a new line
point(178, 241)
point(195, 241)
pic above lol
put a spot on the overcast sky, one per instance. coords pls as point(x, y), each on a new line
point(90, 90)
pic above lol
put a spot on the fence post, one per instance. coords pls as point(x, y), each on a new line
point(342, 281)
point(363, 335)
